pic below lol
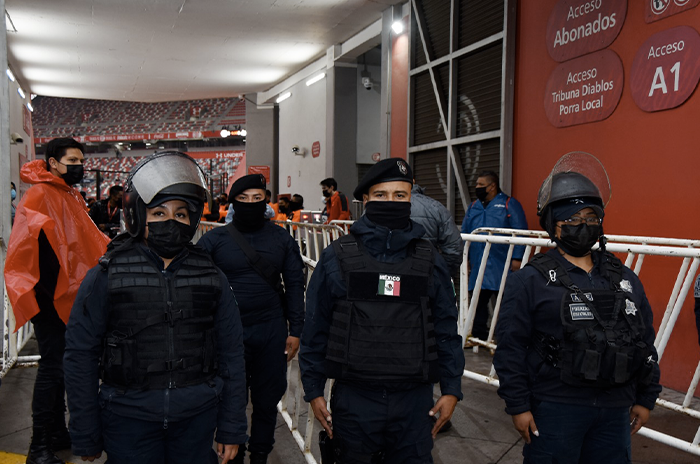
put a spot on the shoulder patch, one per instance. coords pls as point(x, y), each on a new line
point(697, 287)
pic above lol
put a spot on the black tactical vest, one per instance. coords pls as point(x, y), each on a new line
point(603, 343)
point(383, 329)
point(160, 332)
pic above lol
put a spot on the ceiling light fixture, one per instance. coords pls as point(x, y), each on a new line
point(397, 27)
point(242, 132)
point(20, 92)
point(315, 79)
point(32, 96)
point(283, 97)
point(30, 107)
point(10, 75)
point(225, 132)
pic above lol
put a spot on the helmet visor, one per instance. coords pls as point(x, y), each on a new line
point(582, 163)
point(164, 171)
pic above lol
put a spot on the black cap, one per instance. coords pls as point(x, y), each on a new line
point(251, 181)
point(387, 170)
point(564, 209)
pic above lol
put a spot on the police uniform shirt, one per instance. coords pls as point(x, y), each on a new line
point(531, 302)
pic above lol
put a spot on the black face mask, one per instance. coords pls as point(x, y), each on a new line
point(327, 193)
point(390, 214)
point(578, 240)
point(249, 216)
point(74, 173)
point(294, 206)
point(480, 193)
point(168, 238)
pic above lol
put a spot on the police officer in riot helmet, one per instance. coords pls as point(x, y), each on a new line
point(382, 320)
point(576, 359)
point(158, 324)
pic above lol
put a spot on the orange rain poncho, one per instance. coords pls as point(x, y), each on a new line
point(59, 210)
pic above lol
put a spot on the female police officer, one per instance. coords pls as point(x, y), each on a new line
point(157, 322)
point(575, 358)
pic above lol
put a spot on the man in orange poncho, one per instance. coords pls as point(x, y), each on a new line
point(52, 246)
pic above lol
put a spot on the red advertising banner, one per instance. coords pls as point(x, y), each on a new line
point(26, 120)
point(237, 154)
point(316, 149)
point(660, 9)
point(577, 27)
point(264, 170)
point(139, 137)
point(666, 69)
point(584, 90)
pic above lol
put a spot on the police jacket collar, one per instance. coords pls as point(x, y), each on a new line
point(379, 240)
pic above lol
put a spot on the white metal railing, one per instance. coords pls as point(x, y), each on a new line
point(13, 342)
point(635, 248)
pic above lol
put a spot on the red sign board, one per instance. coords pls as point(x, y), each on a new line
point(289, 181)
point(577, 27)
point(666, 69)
point(376, 156)
point(316, 149)
point(234, 155)
point(660, 9)
point(264, 170)
point(26, 120)
point(584, 90)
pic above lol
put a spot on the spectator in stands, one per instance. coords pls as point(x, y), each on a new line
point(91, 201)
point(13, 196)
point(254, 254)
point(440, 227)
point(337, 207)
point(52, 245)
point(107, 213)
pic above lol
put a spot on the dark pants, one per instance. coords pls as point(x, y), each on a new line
point(396, 423)
point(573, 434)
point(480, 329)
point(266, 377)
point(135, 441)
point(48, 401)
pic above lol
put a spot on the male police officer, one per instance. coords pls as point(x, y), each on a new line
point(159, 315)
point(253, 253)
point(492, 208)
point(382, 320)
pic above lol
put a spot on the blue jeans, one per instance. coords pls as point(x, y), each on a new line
point(575, 434)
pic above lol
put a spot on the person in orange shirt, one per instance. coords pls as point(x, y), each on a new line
point(336, 203)
point(52, 245)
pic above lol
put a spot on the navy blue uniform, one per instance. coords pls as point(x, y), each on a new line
point(528, 383)
point(263, 316)
point(133, 420)
point(373, 416)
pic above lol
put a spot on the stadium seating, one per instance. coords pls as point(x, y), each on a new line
point(61, 117)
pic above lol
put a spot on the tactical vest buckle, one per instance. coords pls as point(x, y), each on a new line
point(173, 364)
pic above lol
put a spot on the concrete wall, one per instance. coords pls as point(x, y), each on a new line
point(261, 141)
point(369, 107)
point(302, 121)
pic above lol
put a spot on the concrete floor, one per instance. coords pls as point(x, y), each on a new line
point(482, 433)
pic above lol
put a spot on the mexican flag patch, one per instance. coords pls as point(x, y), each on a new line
point(389, 285)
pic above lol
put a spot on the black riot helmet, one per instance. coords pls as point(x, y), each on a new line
point(160, 177)
point(577, 180)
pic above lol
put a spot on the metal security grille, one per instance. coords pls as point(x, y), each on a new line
point(460, 106)
point(430, 172)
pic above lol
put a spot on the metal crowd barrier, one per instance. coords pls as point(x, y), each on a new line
point(636, 248)
point(13, 342)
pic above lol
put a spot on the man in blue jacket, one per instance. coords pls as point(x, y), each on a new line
point(158, 324)
point(272, 314)
point(492, 208)
point(382, 320)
